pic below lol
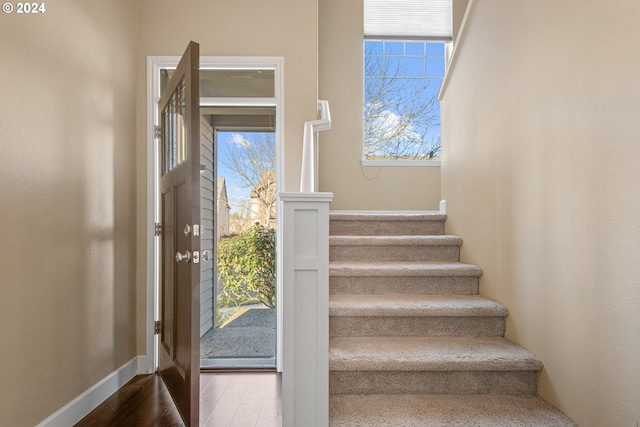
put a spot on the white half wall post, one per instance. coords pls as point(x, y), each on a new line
point(305, 358)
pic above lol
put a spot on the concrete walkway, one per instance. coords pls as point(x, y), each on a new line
point(250, 335)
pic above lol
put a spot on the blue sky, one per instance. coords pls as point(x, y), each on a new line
point(237, 192)
point(407, 61)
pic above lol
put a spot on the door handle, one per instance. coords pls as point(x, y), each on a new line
point(183, 257)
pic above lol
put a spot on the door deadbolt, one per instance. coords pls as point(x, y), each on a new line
point(183, 257)
point(187, 230)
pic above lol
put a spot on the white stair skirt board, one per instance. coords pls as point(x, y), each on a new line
point(82, 405)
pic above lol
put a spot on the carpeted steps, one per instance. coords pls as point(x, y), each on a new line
point(397, 315)
point(442, 365)
point(442, 410)
point(403, 277)
point(411, 341)
point(350, 224)
point(394, 248)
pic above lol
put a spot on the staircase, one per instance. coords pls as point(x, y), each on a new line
point(411, 341)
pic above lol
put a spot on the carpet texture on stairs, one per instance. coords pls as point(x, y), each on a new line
point(411, 341)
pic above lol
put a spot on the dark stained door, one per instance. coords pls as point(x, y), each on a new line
point(179, 341)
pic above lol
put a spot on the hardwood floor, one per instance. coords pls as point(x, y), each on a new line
point(143, 401)
point(226, 400)
point(242, 399)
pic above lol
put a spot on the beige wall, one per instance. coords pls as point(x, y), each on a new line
point(67, 203)
point(286, 28)
point(341, 83)
point(541, 177)
point(459, 8)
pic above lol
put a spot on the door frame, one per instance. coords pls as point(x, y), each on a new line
point(154, 65)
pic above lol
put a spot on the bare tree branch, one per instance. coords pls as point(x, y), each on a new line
point(251, 157)
point(398, 113)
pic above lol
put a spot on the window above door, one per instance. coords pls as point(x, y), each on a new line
point(229, 83)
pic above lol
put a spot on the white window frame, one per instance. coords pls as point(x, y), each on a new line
point(398, 162)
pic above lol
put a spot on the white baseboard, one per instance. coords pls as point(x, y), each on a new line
point(79, 407)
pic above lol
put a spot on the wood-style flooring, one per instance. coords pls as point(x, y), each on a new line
point(226, 400)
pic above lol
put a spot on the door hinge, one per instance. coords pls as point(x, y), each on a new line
point(158, 229)
point(156, 328)
point(158, 131)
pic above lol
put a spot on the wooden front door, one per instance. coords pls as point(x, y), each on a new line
point(179, 341)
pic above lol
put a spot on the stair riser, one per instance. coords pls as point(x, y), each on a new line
point(343, 326)
point(429, 285)
point(420, 410)
point(394, 253)
point(433, 382)
point(385, 228)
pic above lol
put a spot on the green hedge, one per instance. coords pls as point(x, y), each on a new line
point(247, 266)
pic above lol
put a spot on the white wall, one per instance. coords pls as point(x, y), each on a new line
point(341, 83)
point(540, 173)
point(67, 203)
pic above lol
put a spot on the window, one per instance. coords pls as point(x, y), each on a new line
point(404, 64)
point(402, 79)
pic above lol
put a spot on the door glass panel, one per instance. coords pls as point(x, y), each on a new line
point(174, 147)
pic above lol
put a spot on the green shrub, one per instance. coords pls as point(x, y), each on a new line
point(247, 266)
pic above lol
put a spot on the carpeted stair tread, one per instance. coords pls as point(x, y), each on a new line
point(429, 354)
point(413, 248)
point(414, 305)
point(393, 269)
point(360, 216)
point(378, 224)
point(403, 410)
point(434, 240)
